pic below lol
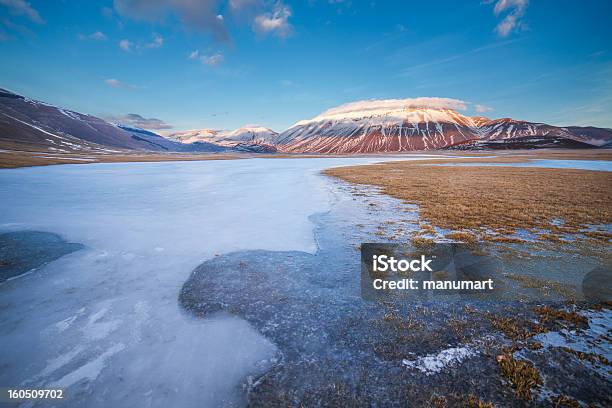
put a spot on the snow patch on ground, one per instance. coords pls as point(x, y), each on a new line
point(435, 363)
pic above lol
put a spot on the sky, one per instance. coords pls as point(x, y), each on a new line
point(171, 65)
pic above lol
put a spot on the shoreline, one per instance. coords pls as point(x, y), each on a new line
point(19, 159)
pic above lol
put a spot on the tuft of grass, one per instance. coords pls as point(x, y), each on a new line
point(590, 357)
point(462, 236)
point(548, 314)
point(534, 345)
point(565, 401)
point(600, 235)
point(422, 242)
point(506, 240)
point(543, 285)
point(515, 329)
point(472, 401)
point(522, 375)
point(550, 237)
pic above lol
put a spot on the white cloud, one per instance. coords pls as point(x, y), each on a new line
point(97, 36)
point(22, 8)
point(125, 45)
point(515, 10)
point(212, 60)
point(157, 42)
point(275, 22)
point(396, 104)
point(482, 108)
point(115, 83)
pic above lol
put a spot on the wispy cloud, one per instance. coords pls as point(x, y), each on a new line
point(514, 11)
point(139, 121)
point(22, 8)
point(96, 36)
point(201, 15)
point(207, 59)
point(115, 83)
point(125, 45)
point(409, 70)
point(482, 108)
point(214, 59)
point(275, 22)
point(157, 41)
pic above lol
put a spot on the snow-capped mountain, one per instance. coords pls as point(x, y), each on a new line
point(26, 124)
point(195, 135)
point(246, 134)
point(249, 133)
point(414, 124)
point(30, 125)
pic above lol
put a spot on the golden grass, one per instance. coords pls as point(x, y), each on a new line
point(515, 329)
point(29, 159)
point(590, 357)
point(548, 314)
point(545, 286)
point(565, 401)
point(522, 375)
point(497, 198)
point(472, 401)
point(463, 236)
point(422, 242)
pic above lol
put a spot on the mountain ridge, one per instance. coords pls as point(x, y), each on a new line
point(30, 125)
point(410, 124)
point(373, 126)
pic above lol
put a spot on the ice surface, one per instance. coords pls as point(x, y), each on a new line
point(105, 321)
point(600, 165)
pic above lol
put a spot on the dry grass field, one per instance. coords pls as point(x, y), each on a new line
point(480, 200)
point(27, 159)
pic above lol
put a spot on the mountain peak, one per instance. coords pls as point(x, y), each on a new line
point(396, 125)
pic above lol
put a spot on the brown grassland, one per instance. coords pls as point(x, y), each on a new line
point(502, 199)
point(28, 159)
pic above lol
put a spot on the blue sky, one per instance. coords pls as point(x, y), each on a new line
point(222, 64)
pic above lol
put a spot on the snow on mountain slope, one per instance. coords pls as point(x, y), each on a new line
point(245, 134)
point(413, 124)
point(26, 124)
point(249, 133)
point(163, 143)
point(29, 125)
point(381, 126)
point(195, 135)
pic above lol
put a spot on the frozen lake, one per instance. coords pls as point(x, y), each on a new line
point(104, 322)
point(599, 165)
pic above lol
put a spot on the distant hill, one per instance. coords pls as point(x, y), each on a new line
point(29, 125)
